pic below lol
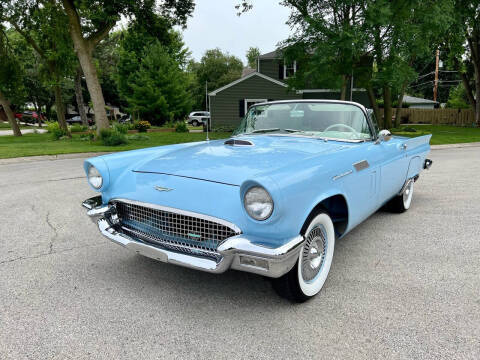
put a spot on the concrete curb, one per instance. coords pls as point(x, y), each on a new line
point(453, 146)
point(27, 159)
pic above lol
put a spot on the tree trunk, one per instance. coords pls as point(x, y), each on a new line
point(79, 97)
point(399, 106)
point(373, 102)
point(343, 92)
point(11, 118)
point(387, 107)
point(476, 66)
point(84, 49)
point(60, 110)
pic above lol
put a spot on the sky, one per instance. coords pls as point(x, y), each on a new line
point(215, 24)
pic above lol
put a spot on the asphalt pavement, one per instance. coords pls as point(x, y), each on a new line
point(401, 286)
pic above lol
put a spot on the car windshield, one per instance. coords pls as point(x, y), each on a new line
point(314, 119)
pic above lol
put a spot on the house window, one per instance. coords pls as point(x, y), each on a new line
point(250, 102)
point(289, 69)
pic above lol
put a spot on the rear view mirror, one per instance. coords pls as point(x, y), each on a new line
point(383, 135)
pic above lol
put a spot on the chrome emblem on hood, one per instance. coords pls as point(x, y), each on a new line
point(159, 188)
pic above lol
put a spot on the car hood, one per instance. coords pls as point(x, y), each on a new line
point(218, 162)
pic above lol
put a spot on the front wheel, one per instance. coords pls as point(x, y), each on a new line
point(307, 277)
point(195, 123)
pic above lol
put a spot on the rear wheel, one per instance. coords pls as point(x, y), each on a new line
point(402, 202)
point(307, 277)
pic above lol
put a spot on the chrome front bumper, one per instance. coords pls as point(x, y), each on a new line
point(239, 252)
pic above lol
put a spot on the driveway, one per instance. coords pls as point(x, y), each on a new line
point(401, 286)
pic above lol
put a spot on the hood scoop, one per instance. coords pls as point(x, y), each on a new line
point(238, 142)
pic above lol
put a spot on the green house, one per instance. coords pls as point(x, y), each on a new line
point(229, 103)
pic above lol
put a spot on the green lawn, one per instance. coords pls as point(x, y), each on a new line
point(42, 144)
point(442, 134)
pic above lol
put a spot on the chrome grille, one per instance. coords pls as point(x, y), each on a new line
point(175, 231)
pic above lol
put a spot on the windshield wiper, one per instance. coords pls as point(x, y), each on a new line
point(294, 130)
point(263, 130)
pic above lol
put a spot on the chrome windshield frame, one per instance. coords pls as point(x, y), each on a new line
point(361, 107)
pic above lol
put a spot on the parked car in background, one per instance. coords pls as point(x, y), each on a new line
point(78, 120)
point(198, 118)
point(272, 200)
point(125, 118)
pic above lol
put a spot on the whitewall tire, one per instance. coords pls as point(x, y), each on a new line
point(402, 202)
point(308, 276)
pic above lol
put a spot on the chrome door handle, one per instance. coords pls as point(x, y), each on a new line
point(403, 146)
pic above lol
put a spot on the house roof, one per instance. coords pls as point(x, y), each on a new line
point(416, 100)
point(275, 54)
point(247, 71)
point(255, 73)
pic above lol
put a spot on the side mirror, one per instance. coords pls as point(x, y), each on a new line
point(383, 135)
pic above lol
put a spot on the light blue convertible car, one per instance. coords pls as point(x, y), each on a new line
point(272, 200)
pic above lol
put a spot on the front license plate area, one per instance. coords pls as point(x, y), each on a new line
point(148, 251)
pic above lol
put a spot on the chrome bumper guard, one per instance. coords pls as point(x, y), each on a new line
point(239, 252)
point(427, 164)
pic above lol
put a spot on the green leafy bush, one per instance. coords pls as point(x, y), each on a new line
point(120, 128)
point(78, 128)
point(54, 129)
point(142, 126)
point(409, 129)
point(88, 136)
point(111, 137)
point(181, 127)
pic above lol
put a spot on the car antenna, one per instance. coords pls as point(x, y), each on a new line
point(206, 107)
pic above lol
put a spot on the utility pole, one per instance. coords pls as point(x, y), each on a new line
point(435, 88)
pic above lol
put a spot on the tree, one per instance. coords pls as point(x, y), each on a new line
point(215, 69)
point(463, 46)
point(340, 37)
point(91, 21)
point(458, 98)
point(252, 55)
point(132, 45)
point(11, 77)
point(159, 88)
point(44, 28)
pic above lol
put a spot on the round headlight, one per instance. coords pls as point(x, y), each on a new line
point(258, 203)
point(94, 177)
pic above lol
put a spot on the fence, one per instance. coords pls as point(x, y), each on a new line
point(459, 117)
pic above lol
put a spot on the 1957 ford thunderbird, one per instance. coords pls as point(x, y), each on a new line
point(272, 200)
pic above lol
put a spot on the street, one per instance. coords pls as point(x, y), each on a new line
point(401, 286)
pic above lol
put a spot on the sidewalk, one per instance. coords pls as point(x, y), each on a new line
point(24, 131)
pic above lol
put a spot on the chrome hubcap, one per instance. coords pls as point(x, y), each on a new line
point(407, 193)
point(313, 255)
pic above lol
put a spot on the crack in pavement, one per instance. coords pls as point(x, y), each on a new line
point(52, 240)
point(46, 254)
point(44, 181)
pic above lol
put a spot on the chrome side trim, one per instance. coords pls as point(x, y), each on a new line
point(361, 165)
point(339, 176)
point(179, 211)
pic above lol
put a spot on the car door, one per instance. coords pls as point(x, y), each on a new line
point(394, 167)
point(361, 181)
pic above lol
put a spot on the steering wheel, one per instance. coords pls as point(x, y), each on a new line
point(341, 126)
